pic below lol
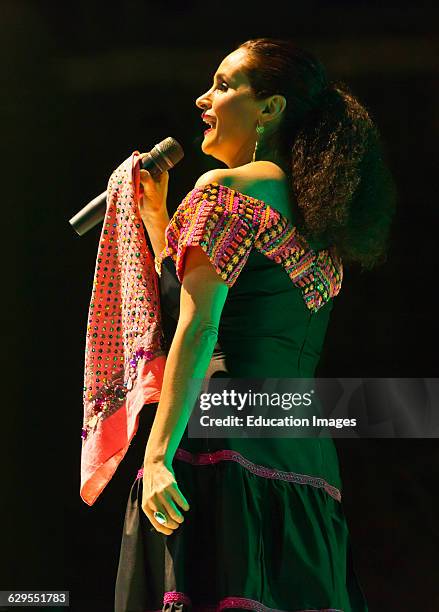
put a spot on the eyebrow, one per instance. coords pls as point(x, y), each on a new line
point(220, 75)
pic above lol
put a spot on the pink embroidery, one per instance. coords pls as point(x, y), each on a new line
point(227, 223)
point(260, 470)
point(171, 596)
point(231, 602)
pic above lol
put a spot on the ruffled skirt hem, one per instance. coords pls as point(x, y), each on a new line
point(248, 542)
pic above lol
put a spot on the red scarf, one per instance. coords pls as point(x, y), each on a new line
point(124, 356)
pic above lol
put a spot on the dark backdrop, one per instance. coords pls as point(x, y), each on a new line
point(85, 84)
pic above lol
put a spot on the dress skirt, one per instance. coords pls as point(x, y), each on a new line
point(254, 538)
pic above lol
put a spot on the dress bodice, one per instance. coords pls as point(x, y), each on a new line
point(276, 313)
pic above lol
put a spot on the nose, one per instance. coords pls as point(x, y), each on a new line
point(203, 101)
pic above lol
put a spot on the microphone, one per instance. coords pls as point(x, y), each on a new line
point(162, 157)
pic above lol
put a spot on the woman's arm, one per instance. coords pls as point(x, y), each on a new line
point(152, 208)
point(202, 297)
point(155, 224)
point(189, 356)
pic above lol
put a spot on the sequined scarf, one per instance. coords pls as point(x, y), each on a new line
point(124, 355)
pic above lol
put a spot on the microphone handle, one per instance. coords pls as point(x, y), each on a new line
point(89, 216)
point(94, 212)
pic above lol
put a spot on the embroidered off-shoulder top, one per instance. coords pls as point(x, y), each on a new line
point(228, 224)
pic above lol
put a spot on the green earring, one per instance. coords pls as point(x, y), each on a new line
point(259, 132)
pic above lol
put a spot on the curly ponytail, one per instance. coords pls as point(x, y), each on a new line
point(343, 190)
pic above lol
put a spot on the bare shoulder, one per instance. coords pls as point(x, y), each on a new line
point(262, 170)
point(217, 175)
point(262, 180)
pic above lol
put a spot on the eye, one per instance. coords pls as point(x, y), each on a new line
point(221, 84)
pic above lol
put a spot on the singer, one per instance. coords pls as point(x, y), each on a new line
point(248, 268)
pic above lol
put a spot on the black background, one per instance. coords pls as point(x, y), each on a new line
point(84, 85)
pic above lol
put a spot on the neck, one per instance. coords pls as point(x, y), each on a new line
point(262, 154)
point(277, 159)
point(272, 153)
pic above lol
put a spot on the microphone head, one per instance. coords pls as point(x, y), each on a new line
point(171, 150)
point(163, 156)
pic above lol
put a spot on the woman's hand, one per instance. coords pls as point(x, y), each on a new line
point(161, 492)
point(153, 200)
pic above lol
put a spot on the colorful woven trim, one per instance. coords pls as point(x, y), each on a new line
point(230, 602)
point(259, 470)
point(227, 224)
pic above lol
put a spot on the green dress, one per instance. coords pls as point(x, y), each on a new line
point(266, 529)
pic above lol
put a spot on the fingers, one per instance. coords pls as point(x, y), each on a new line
point(164, 503)
point(162, 178)
point(160, 492)
point(158, 526)
point(171, 524)
point(178, 496)
point(171, 508)
point(144, 175)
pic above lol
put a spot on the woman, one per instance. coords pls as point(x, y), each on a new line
point(245, 523)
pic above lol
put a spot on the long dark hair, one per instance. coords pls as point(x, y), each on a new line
point(344, 192)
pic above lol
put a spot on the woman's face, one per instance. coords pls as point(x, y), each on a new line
point(230, 105)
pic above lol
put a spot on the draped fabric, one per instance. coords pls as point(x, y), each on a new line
point(124, 355)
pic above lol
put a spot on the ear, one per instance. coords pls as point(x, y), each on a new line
point(273, 107)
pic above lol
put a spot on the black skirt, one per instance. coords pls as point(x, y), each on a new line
point(250, 541)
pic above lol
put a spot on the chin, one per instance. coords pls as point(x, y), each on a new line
point(208, 149)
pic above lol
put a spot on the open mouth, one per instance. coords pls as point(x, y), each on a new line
point(211, 126)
